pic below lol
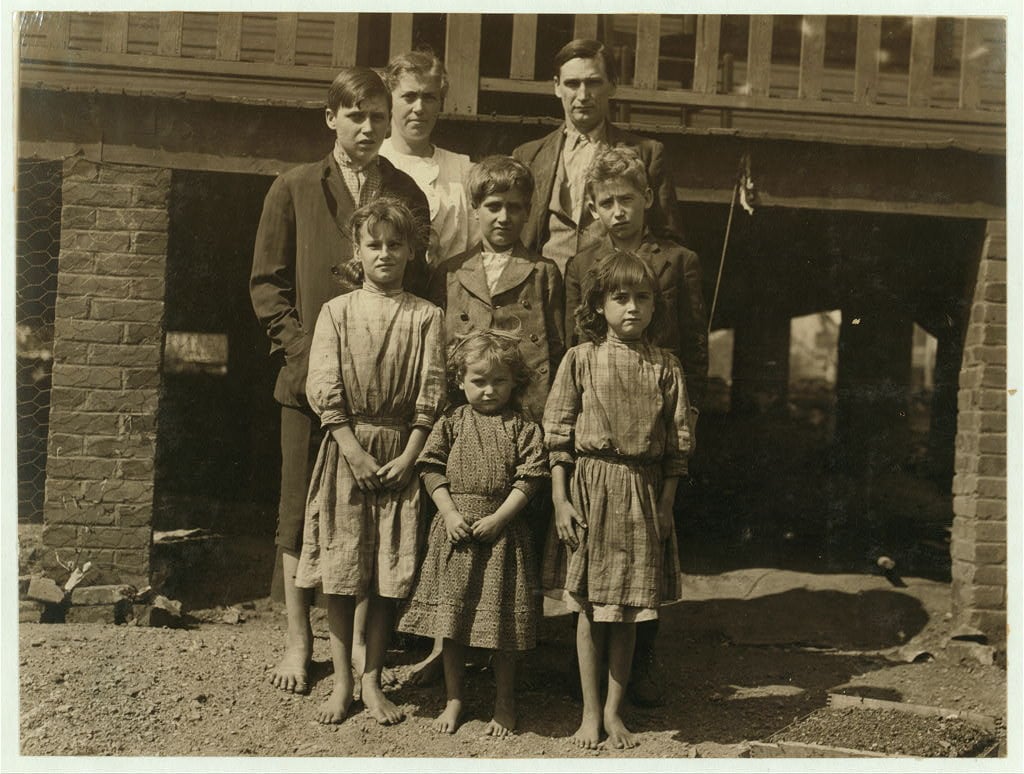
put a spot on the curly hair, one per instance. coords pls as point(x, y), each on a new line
point(613, 272)
point(491, 348)
point(616, 163)
point(387, 210)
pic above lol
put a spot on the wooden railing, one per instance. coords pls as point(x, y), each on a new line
point(287, 58)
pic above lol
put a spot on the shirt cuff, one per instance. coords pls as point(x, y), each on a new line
point(333, 417)
point(528, 486)
point(560, 457)
point(432, 480)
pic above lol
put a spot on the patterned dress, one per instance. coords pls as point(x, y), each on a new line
point(618, 412)
point(376, 361)
point(480, 594)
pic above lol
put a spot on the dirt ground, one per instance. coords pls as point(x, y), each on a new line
point(748, 653)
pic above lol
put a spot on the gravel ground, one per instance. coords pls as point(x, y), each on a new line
point(92, 689)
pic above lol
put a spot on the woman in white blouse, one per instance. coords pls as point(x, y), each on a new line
point(418, 84)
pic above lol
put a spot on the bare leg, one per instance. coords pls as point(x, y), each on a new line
point(339, 621)
point(454, 655)
point(591, 648)
point(291, 672)
point(359, 637)
point(429, 669)
point(621, 641)
point(504, 721)
point(378, 630)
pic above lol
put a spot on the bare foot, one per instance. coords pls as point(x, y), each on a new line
point(504, 721)
point(336, 707)
point(588, 735)
point(497, 729)
point(448, 721)
point(291, 672)
point(426, 671)
point(619, 737)
point(381, 708)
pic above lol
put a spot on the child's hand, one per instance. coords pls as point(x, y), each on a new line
point(567, 520)
point(488, 529)
point(397, 473)
point(456, 527)
point(364, 468)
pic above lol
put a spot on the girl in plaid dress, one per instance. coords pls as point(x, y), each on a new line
point(376, 380)
point(481, 465)
point(616, 429)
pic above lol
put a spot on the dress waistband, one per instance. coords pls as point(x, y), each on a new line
point(395, 422)
point(619, 459)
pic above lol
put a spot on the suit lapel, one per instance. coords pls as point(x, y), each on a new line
point(544, 166)
point(516, 271)
point(651, 252)
point(337, 196)
point(471, 276)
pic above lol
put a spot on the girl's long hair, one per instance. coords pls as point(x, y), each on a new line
point(613, 272)
point(383, 209)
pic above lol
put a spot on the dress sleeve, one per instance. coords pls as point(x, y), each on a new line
point(561, 410)
point(433, 460)
point(676, 415)
point(432, 380)
point(324, 387)
point(532, 462)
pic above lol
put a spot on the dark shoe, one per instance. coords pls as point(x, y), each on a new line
point(645, 688)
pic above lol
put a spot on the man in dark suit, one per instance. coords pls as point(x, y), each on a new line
point(559, 222)
point(302, 243)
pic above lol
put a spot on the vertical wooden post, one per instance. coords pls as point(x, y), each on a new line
point(287, 33)
point(972, 55)
point(229, 36)
point(648, 50)
point(346, 39)
point(401, 34)
point(759, 56)
point(922, 61)
point(524, 47)
point(462, 60)
point(812, 57)
point(869, 49)
point(705, 65)
point(585, 25)
point(115, 33)
point(169, 43)
point(58, 30)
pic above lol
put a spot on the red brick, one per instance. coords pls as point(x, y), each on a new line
point(85, 424)
point(993, 421)
point(965, 505)
point(82, 513)
point(990, 575)
point(993, 376)
point(88, 330)
point(149, 288)
point(70, 352)
point(149, 243)
point(74, 375)
point(59, 536)
point(131, 265)
point(118, 491)
point(995, 291)
point(990, 553)
point(81, 467)
point(992, 271)
point(136, 469)
point(134, 515)
point(141, 377)
point(136, 176)
point(991, 509)
point(65, 443)
point(992, 465)
point(121, 401)
point(96, 241)
point(76, 260)
point(72, 216)
point(125, 355)
point(71, 307)
point(92, 285)
point(115, 537)
point(964, 483)
point(150, 197)
point(128, 310)
point(990, 531)
point(992, 486)
point(143, 333)
point(151, 219)
point(994, 334)
point(68, 397)
point(79, 169)
point(992, 443)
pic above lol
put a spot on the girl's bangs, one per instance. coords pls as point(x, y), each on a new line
point(627, 274)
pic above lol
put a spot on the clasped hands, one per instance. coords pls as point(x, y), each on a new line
point(371, 476)
point(485, 530)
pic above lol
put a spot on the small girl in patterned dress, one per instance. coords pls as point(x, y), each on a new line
point(376, 379)
point(481, 465)
point(616, 429)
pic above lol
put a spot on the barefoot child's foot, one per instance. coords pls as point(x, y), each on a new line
point(336, 707)
point(380, 707)
point(499, 729)
point(291, 672)
point(588, 735)
point(504, 721)
point(448, 721)
point(619, 737)
point(426, 671)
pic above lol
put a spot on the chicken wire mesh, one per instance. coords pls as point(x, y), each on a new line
point(38, 245)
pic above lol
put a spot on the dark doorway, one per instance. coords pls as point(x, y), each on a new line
point(217, 451)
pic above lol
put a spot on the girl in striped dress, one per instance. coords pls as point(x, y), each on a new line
point(616, 429)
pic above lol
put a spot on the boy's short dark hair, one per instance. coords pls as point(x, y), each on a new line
point(422, 62)
point(616, 163)
point(613, 272)
point(353, 85)
point(498, 174)
point(588, 48)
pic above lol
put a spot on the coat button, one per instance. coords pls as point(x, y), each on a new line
point(526, 304)
point(464, 317)
point(335, 270)
point(533, 337)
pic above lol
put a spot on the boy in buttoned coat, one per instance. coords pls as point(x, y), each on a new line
point(499, 283)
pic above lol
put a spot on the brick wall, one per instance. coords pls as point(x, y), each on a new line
point(106, 370)
point(979, 487)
